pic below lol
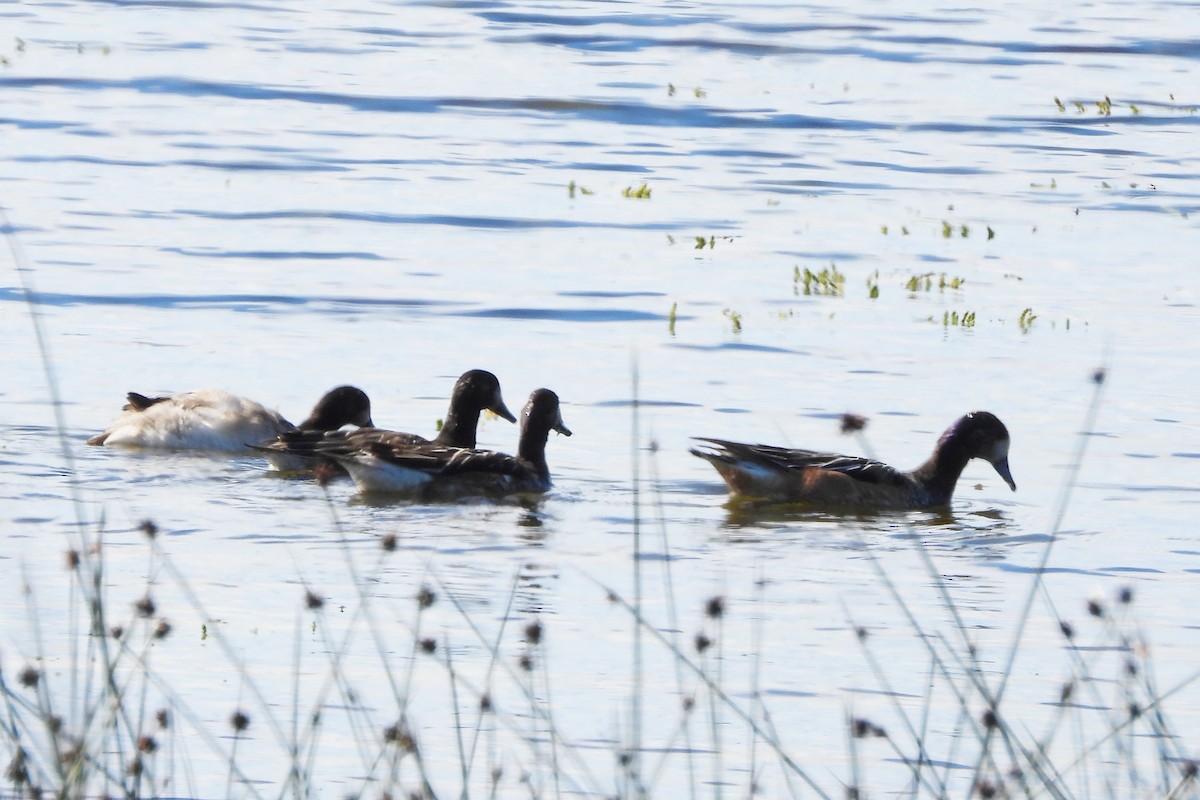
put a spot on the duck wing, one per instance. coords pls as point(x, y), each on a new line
point(785, 458)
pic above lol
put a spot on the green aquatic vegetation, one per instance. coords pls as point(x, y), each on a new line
point(573, 187)
point(1105, 106)
point(640, 193)
point(828, 282)
point(953, 319)
point(991, 234)
point(735, 320)
point(1060, 105)
point(702, 243)
point(1025, 321)
point(699, 93)
point(670, 90)
point(873, 285)
point(947, 229)
point(671, 318)
point(924, 282)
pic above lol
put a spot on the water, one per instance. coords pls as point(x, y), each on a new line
point(278, 200)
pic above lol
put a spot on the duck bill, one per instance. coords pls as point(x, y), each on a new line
point(560, 427)
point(1001, 466)
point(500, 410)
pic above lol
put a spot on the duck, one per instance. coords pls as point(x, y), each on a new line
point(830, 480)
point(212, 419)
point(475, 391)
point(434, 472)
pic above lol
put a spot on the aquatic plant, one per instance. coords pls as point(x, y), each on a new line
point(925, 282)
point(735, 320)
point(828, 282)
point(637, 193)
point(572, 188)
point(671, 319)
point(952, 319)
point(1026, 319)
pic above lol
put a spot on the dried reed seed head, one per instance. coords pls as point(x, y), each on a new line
point(163, 718)
point(388, 542)
point(689, 702)
point(54, 724)
point(324, 473)
point(526, 662)
point(861, 633)
point(29, 677)
point(72, 559)
point(702, 642)
point(1099, 375)
point(715, 607)
point(1068, 689)
point(1135, 711)
point(1189, 769)
point(312, 601)
point(429, 645)
point(239, 720)
point(533, 633)
point(148, 528)
point(852, 793)
point(426, 597)
point(485, 703)
point(391, 733)
point(116, 631)
point(986, 789)
point(497, 774)
point(990, 720)
point(1095, 608)
point(146, 744)
point(16, 771)
point(853, 423)
point(162, 630)
point(135, 767)
point(1125, 595)
point(611, 596)
point(653, 446)
point(145, 607)
point(1068, 630)
point(624, 758)
point(1131, 667)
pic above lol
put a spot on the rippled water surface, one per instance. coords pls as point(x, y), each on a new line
point(275, 200)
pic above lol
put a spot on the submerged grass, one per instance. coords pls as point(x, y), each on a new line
point(110, 723)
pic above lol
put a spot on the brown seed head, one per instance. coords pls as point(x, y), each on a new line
point(429, 645)
point(485, 703)
point(853, 423)
point(148, 529)
point(72, 559)
point(163, 718)
point(239, 720)
point(324, 473)
point(533, 633)
point(313, 601)
point(388, 542)
point(715, 607)
point(990, 720)
point(162, 630)
point(1125, 596)
point(146, 744)
point(29, 677)
point(1095, 608)
point(145, 607)
point(426, 597)
point(1067, 629)
point(702, 642)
